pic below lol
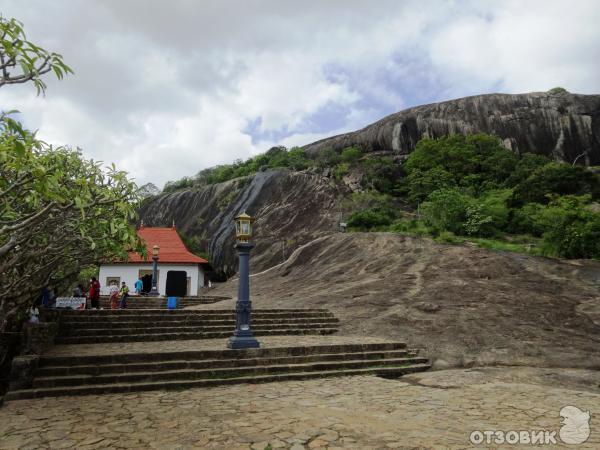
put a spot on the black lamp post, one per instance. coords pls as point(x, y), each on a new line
point(242, 336)
point(154, 291)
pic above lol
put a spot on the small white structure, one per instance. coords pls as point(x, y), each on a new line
point(179, 270)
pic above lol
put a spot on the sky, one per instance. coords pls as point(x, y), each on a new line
point(164, 89)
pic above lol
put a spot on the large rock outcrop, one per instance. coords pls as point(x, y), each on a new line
point(462, 305)
point(562, 126)
point(292, 208)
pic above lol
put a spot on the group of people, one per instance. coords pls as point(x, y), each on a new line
point(118, 296)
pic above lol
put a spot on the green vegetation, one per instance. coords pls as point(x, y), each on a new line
point(196, 244)
point(470, 188)
point(455, 189)
point(23, 61)
point(275, 158)
point(59, 213)
point(558, 90)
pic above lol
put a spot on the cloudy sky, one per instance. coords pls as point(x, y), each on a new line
point(166, 88)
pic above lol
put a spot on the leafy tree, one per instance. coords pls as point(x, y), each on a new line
point(22, 61)
point(556, 178)
point(446, 209)
point(327, 158)
point(526, 165)
point(148, 190)
point(369, 219)
point(58, 212)
point(341, 170)
point(297, 159)
point(382, 174)
point(558, 90)
point(477, 222)
point(572, 229)
point(454, 154)
point(419, 184)
point(350, 155)
point(475, 162)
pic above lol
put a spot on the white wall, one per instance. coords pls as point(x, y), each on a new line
point(129, 274)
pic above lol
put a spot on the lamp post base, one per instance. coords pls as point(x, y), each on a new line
point(240, 342)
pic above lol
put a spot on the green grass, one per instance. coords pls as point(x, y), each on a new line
point(505, 245)
point(506, 242)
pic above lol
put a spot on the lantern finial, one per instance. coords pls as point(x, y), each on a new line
point(243, 227)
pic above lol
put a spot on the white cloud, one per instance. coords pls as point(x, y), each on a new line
point(166, 91)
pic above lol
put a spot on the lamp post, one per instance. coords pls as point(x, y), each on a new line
point(242, 336)
point(154, 291)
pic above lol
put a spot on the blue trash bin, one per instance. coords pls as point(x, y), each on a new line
point(171, 302)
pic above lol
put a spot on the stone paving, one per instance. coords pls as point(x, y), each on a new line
point(427, 410)
point(205, 344)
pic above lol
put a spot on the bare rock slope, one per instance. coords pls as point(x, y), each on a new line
point(561, 126)
point(292, 208)
point(462, 305)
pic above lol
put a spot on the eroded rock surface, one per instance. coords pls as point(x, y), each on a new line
point(462, 305)
point(561, 126)
point(292, 208)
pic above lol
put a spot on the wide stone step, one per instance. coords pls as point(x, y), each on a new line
point(194, 355)
point(185, 336)
point(175, 315)
point(193, 322)
point(391, 371)
point(108, 312)
point(228, 372)
point(146, 303)
point(177, 318)
point(183, 328)
point(133, 367)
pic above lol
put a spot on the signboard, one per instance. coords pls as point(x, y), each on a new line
point(70, 302)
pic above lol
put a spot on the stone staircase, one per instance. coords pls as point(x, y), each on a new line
point(141, 325)
point(133, 372)
point(144, 302)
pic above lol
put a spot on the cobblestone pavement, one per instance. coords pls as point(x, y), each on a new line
point(205, 344)
point(428, 410)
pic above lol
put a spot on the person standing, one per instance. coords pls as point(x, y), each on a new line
point(95, 293)
point(113, 293)
point(34, 314)
point(138, 286)
point(45, 296)
point(124, 293)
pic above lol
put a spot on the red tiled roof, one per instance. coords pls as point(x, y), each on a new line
point(172, 248)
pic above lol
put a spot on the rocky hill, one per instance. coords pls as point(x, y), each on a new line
point(463, 305)
point(562, 125)
point(296, 207)
point(292, 208)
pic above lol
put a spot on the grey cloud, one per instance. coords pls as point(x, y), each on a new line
point(168, 88)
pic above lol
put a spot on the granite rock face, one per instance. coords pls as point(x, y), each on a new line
point(561, 126)
point(292, 208)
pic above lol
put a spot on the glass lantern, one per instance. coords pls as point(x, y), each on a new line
point(243, 227)
point(155, 250)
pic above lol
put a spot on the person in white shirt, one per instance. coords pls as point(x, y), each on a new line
point(34, 314)
point(113, 292)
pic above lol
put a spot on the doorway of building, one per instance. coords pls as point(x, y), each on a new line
point(146, 277)
point(176, 283)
